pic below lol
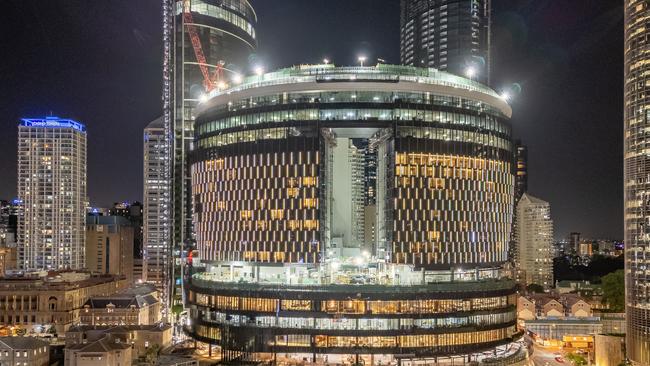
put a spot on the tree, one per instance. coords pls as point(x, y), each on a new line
point(151, 354)
point(535, 288)
point(577, 360)
point(614, 290)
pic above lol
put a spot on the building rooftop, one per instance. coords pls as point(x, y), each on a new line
point(55, 283)
point(160, 327)
point(564, 321)
point(381, 73)
point(106, 344)
point(21, 343)
point(53, 122)
point(121, 301)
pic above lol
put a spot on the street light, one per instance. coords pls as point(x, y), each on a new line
point(362, 59)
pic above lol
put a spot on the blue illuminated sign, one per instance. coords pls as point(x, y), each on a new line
point(53, 122)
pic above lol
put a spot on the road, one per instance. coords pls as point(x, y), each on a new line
point(543, 357)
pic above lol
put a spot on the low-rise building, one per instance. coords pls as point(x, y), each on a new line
point(133, 307)
point(24, 351)
point(140, 337)
point(550, 306)
point(526, 308)
point(613, 323)
point(107, 351)
point(552, 331)
point(53, 300)
point(576, 306)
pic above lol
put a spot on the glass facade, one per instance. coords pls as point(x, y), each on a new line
point(451, 35)
point(637, 188)
point(276, 174)
point(224, 35)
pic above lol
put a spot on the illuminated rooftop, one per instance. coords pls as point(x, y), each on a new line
point(53, 122)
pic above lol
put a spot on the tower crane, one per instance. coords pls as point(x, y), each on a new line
point(210, 82)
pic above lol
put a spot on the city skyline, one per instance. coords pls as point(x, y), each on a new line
point(367, 182)
point(116, 86)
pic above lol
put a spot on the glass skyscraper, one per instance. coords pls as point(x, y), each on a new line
point(52, 188)
point(450, 35)
point(206, 43)
point(637, 180)
point(277, 171)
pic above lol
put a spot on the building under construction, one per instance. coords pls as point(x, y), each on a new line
point(207, 45)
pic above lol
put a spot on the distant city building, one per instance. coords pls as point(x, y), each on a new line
point(140, 337)
point(156, 258)
point(18, 351)
point(636, 182)
point(109, 246)
point(36, 304)
point(133, 212)
point(534, 241)
point(521, 170)
point(108, 351)
point(449, 35)
point(8, 259)
point(52, 186)
point(586, 248)
point(9, 211)
point(521, 187)
point(124, 308)
point(574, 243)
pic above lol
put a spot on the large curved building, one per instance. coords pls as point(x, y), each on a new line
point(354, 212)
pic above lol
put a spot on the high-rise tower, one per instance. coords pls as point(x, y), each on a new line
point(450, 35)
point(52, 187)
point(207, 44)
point(218, 36)
point(534, 242)
point(637, 184)
point(156, 228)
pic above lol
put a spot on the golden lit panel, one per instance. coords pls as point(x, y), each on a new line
point(258, 207)
point(451, 210)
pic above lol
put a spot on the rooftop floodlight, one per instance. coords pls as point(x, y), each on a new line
point(237, 78)
point(505, 96)
point(203, 98)
point(470, 72)
point(259, 70)
point(222, 85)
point(362, 59)
point(326, 61)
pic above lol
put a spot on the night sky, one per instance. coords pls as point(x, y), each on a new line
point(99, 62)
